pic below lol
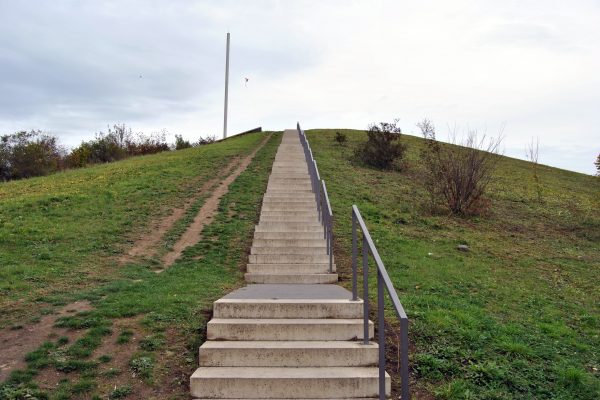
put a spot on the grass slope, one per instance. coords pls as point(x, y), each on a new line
point(174, 305)
point(63, 231)
point(517, 317)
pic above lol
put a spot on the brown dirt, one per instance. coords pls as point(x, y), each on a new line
point(170, 374)
point(147, 244)
point(16, 343)
point(206, 214)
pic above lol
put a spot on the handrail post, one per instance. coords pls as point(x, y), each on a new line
point(354, 256)
point(404, 358)
point(365, 257)
point(330, 218)
point(381, 335)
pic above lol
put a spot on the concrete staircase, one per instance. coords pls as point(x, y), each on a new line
point(291, 333)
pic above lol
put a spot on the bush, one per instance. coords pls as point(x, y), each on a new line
point(28, 154)
point(597, 163)
point(457, 176)
point(383, 146)
point(181, 143)
point(206, 140)
point(341, 138)
point(117, 144)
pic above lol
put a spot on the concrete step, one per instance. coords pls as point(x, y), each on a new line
point(288, 269)
point(289, 250)
point(282, 227)
point(291, 202)
point(288, 308)
point(289, 242)
point(284, 207)
point(287, 213)
point(288, 189)
point(286, 329)
point(304, 279)
point(286, 383)
point(288, 354)
point(305, 196)
point(289, 218)
point(268, 235)
point(288, 258)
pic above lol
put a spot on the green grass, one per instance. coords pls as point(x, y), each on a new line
point(64, 231)
point(517, 317)
point(177, 299)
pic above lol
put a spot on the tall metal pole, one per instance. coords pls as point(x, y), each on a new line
point(226, 88)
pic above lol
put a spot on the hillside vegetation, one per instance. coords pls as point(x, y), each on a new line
point(61, 238)
point(517, 316)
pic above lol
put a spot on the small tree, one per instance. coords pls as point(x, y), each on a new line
point(28, 154)
point(383, 146)
point(457, 175)
point(532, 154)
point(340, 138)
point(181, 143)
point(597, 163)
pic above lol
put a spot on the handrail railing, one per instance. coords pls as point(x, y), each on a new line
point(321, 197)
point(383, 280)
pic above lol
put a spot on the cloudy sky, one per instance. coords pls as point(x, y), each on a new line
point(531, 68)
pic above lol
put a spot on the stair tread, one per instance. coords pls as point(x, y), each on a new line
point(287, 372)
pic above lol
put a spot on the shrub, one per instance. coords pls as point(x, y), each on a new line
point(28, 154)
point(457, 175)
point(206, 140)
point(118, 143)
point(181, 143)
point(340, 138)
point(383, 146)
point(146, 144)
point(597, 163)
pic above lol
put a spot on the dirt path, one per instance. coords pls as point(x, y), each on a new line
point(207, 212)
point(15, 343)
point(146, 245)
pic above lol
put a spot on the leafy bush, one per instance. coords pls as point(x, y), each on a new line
point(28, 154)
point(456, 176)
point(181, 143)
point(383, 146)
point(341, 138)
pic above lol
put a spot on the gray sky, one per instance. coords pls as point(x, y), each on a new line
point(532, 67)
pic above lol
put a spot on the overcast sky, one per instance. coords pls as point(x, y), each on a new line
point(533, 67)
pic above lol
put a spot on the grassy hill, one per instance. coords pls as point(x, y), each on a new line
point(61, 239)
point(517, 316)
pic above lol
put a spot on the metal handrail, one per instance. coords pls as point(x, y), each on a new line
point(321, 197)
point(383, 280)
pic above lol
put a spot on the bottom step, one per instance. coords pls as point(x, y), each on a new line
point(287, 383)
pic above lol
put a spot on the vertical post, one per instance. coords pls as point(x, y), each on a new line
point(226, 88)
point(354, 256)
point(381, 335)
point(404, 358)
point(330, 221)
point(365, 257)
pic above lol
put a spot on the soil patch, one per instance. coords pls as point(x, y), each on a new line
point(16, 343)
point(207, 212)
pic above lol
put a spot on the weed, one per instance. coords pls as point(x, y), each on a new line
point(142, 366)
point(124, 336)
point(120, 392)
